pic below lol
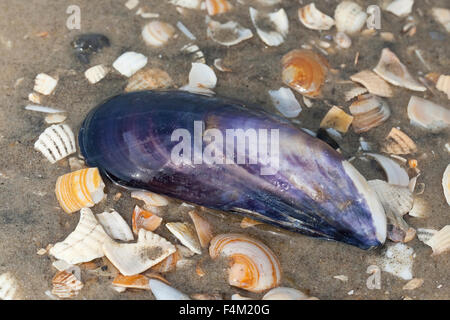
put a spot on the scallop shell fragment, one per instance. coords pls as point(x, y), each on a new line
point(162, 291)
point(185, 232)
point(115, 226)
point(398, 142)
point(45, 84)
point(254, 267)
point(194, 50)
point(337, 119)
point(56, 142)
point(8, 287)
point(149, 79)
point(443, 84)
point(129, 63)
point(393, 71)
point(227, 34)
point(369, 112)
point(144, 219)
point(96, 73)
point(446, 184)
point(217, 6)
point(285, 101)
point(79, 189)
point(84, 244)
point(314, 19)
point(442, 15)
point(428, 115)
point(66, 285)
point(349, 17)
point(203, 228)
point(401, 8)
point(157, 33)
point(440, 241)
point(134, 258)
point(373, 83)
point(272, 27)
point(284, 293)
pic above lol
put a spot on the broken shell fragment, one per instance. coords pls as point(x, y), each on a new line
point(442, 15)
point(440, 241)
point(254, 267)
point(401, 8)
point(168, 264)
point(195, 52)
point(354, 92)
point(446, 184)
point(162, 291)
point(55, 118)
point(284, 293)
point(129, 63)
point(217, 6)
point(373, 83)
point(304, 71)
point(144, 219)
point(396, 175)
point(443, 84)
point(56, 142)
point(149, 79)
point(84, 244)
point(219, 64)
point(157, 33)
point(393, 71)
point(398, 142)
point(8, 287)
point(190, 4)
point(247, 223)
point(420, 209)
point(79, 189)
point(349, 17)
point(201, 79)
point(45, 84)
point(203, 228)
point(150, 198)
point(186, 234)
point(227, 34)
point(66, 285)
point(337, 119)
point(34, 97)
point(285, 101)
point(138, 281)
point(96, 73)
point(343, 40)
point(427, 114)
point(272, 27)
point(314, 19)
point(115, 226)
point(369, 112)
point(413, 284)
point(398, 260)
point(134, 258)
point(425, 235)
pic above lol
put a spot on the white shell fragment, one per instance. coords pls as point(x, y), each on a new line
point(446, 184)
point(45, 84)
point(84, 244)
point(285, 101)
point(185, 31)
point(115, 226)
point(272, 28)
point(134, 258)
point(401, 8)
point(440, 241)
point(428, 115)
point(55, 118)
point(442, 15)
point(56, 142)
point(34, 97)
point(396, 175)
point(398, 261)
point(129, 63)
point(420, 209)
point(8, 287)
point(314, 19)
point(373, 83)
point(425, 235)
point(162, 291)
point(150, 198)
point(393, 71)
point(42, 109)
point(227, 34)
point(131, 4)
point(284, 293)
point(443, 84)
point(96, 73)
point(190, 4)
point(157, 33)
point(349, 17)
point(342, 40)
point(201, 79)
point(185, 232)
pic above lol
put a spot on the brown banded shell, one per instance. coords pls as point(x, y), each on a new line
point(217, 6)
point(149, 79)
point(369, 112)
point(144, 219)
point(304, 71)
point(398, 142)
point(157, 33)
point(66, 285)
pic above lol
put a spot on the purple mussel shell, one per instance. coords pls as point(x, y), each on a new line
point(313, 191)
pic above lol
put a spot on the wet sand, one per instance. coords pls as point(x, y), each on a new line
point(30, 217)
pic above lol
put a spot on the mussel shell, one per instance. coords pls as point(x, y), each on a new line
point(314, 192)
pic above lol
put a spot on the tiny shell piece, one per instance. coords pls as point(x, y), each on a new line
point(129, 63)
point(157, 33)
point(8, 287)
point(401, 8)
point(337, 119)
point(79, 189)
point(398, 142)
point(218, 63)
point(398, 260)
point(115, 226)
point(56, 142)
point(186, 234)
point(272, 28)
point(420, 209)
point(138, 281)
point(144, 219)
point(413, 284)
point(369, 112)
point(442, 15)
point(190, 4)
point(373, 83)
point(84, 244)
point(96, 73)
point(203, 228)
point(44, 84)
point(150, 198)
point(134, 258)
point(201, 79)
point(428, 115)
point(66, 285)
point(354, 92)
point(284, 293)
point(162, 291)
point(34, 97)
point(446, 184)
point(443, 84)
point(195, 51)
point(247, 223)
point(440, 241)
point(285, 101)
point(314, 19)
point(393, 71)
point(149, 79)
point(55, 118)
point(342, 40)
point(349, 17)
point(217, 6)
point(227, 34)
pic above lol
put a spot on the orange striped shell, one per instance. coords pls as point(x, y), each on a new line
point(144, 219)
point(254, 267)
point(66, 285)
point(217, 6)
point(304, 71)
point(79, 189)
